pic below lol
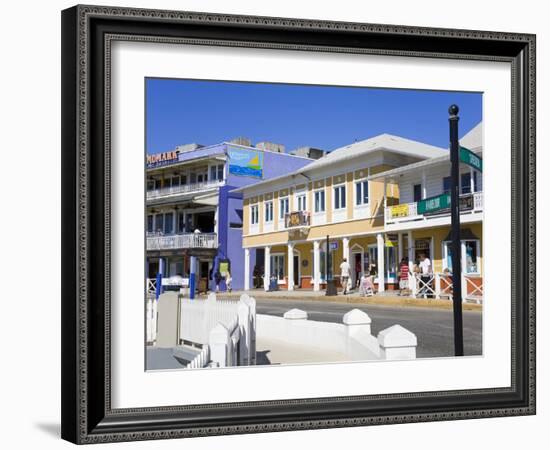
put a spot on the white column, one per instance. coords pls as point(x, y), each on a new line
point(316, 265)
point(290, 265)
point(399, 247)
point(472, 186)
point(345, 249)
point(246, 269)
point(410, 244)
point(267, 267)
point(216, 215)
point(380, 263)
point(424, 194)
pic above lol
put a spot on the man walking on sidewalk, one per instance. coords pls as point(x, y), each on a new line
point(344, 275)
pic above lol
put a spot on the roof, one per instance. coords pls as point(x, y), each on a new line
point(471, 140)
point(384, 141)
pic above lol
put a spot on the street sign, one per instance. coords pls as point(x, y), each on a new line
point(469, 157)
point(334, 245)
point(432, 204)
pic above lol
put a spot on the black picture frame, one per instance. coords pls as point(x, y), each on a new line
point(87, 416)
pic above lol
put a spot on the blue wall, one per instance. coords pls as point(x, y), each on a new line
point(231, 212)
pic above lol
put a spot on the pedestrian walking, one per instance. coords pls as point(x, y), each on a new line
point(228, 281)
point(358, 270)
point(344, 275)
point(217, 280)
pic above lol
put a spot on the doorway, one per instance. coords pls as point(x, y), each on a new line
point(356, 268)
point(296, 262)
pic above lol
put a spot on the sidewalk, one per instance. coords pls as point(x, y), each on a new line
point(388, 298)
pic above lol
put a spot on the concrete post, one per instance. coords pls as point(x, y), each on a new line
point(397, 342)
point(380, 262)
point(316, 266)
point(246, 269)
point(218, 340)
point(399, 247)
point(290, 266)
point(167, 320)
point(356, 320)
point(267, 267)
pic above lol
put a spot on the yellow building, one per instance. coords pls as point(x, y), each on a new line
point(364, 198)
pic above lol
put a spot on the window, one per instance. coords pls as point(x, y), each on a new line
point(181, 222)
point(150, 226)
point(471, 265)
point(168, 223)
point(319, 201)
point(278, 266)
point(150, 185)
point(176, 181)
point(254, 215)
point(159, 222)
point(470, 252)
point(362, 193)
point(269, 211)
point(216, 172)
point(447, 185)
point(417, 192)
point(283, 207)
point(301, 202)
point(183, 179)
point(465, 186)
point(340, 197)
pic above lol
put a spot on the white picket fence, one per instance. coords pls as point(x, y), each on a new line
point(225, 330)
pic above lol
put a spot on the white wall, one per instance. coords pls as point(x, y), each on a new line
point(29, 114)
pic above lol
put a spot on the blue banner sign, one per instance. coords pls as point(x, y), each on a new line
point(246, 163)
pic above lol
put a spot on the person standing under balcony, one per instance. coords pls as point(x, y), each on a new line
point(358, 270)
point(404, 275)
point(344, 275)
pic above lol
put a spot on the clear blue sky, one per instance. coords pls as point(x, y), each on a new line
point(210, 112)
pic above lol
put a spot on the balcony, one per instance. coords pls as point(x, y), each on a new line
point(409, 212)
point(297, 219)
point(184, 189)
point(182, 241)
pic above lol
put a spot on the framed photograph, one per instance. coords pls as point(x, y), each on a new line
point(280, 224)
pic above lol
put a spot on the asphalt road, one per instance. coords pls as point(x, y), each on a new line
point(433, 327)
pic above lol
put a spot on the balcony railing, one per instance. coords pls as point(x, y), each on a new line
point(184, 189)
point(182, 241)
point(297, 219)
point(406, 212)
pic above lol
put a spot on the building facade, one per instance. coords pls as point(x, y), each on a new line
point(191, 210)
point(361, 201)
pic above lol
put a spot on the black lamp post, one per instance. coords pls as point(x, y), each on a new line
point(455, 232)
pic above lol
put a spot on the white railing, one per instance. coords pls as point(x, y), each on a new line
point(183, 189)
point(224, 329)
point(406, 212)
point(352, 339)
point(177, 241)
point(440, 285)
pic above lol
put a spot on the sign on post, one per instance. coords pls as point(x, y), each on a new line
point(432, 204)
point(469, 157)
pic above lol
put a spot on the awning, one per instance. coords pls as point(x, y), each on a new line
point(465, 235)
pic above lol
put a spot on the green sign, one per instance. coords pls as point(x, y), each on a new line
point(432, 204)
point(470, 158)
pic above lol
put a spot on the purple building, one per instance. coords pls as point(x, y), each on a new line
point(191, 211)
